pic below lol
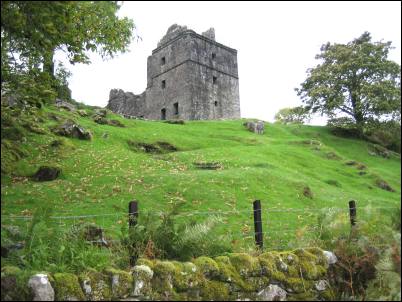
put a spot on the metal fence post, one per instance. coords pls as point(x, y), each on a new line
point(258, 224)
point(352, 212)
point(132, 213)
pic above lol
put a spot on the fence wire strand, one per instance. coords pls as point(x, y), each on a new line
point(272, 226)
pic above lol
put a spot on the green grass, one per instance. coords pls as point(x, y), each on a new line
point(101, 176)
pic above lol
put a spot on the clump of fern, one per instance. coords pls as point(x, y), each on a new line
point(170, 237)
point(198, 239)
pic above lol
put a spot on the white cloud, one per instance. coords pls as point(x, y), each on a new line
point(276, 43)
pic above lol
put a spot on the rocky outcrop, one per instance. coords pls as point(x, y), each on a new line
point(65, 105)
point(46, 173)
point(72, 129)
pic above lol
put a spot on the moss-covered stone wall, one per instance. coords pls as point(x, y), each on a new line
point(297, 275)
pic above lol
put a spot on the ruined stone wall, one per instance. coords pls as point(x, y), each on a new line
point(190, 77)
point(271, 276)
point(127, 103)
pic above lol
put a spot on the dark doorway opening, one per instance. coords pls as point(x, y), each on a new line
point(176, 108)
point(163, 114)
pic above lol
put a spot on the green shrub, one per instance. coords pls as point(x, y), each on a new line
point(386, 134)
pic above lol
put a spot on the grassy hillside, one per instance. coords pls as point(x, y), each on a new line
point(294, 170)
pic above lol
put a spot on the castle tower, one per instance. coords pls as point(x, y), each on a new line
point(189, 76)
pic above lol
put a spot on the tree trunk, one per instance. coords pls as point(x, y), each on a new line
point(357, 114)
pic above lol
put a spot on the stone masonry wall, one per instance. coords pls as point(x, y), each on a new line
point(189, 76)
point(270, 276)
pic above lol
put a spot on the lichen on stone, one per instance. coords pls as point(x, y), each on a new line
point(298, 285)
point(311, 265)
point(207, 266)
point(245, 264)
point(186, 276)
point(95, 285)
point(10, 270)
point(163, 277)
point(121, 282)
point(144, 261)
point(142, 276)
point(268, 262)
point(214, 290)
point(67, 287)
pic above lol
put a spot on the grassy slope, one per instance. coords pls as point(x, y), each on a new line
point(103, 175)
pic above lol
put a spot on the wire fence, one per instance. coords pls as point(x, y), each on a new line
point(280, 228)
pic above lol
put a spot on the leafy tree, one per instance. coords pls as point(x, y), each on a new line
point(355, 79)
point(295, 115)
point(31, 32)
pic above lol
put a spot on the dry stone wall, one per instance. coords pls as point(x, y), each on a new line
point(270, 276)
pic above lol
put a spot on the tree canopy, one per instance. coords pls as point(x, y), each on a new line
point(295, 115)
point(355, 79)
point(31, 31)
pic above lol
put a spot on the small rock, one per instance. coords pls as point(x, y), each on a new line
point(116, 123)
point(142, 280)
point(71, 129)
point(41, 288)
point(331, 257)
point(282, 266)
point(105, 135)
point(307, 192)
point(99, 119)
point(86, 287)
point(321, 285)
point(101, 112)
point(82, 112)
point(63, 104)
point(256, 127)
point(290, 258)
point(272, 293)
point(46, 173)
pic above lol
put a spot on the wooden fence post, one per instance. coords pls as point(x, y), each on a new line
point(132, 213)
point(258, 224)
point(132, 221)
point(352, 212)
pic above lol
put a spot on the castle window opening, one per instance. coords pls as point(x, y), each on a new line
point(216, 103)
point(163, 84)
point(213, 55)
point(176, 108)
point(163, 114)
point(214, 79)
point(163, 61)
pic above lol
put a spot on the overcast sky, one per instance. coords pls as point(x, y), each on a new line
point(276, 44)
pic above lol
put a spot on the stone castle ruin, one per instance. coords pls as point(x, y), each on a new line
point(189, 77)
